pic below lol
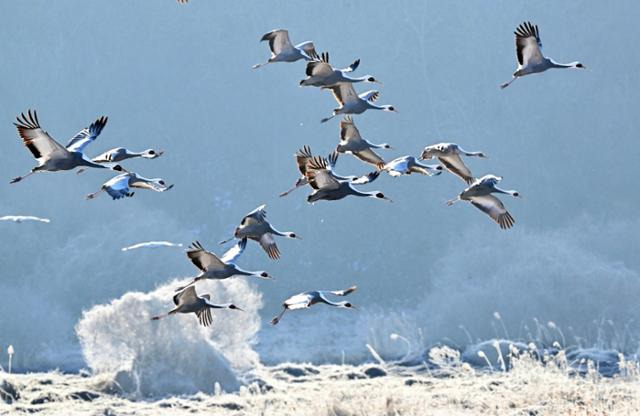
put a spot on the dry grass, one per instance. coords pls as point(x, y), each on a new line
point(530, 388)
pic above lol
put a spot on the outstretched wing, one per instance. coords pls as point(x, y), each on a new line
point(319, 175)
point(234, 252)
point(455, 165)
point(368, 178)
point(309, 49)
point(344, 292)
point(332, 159)
point(186, 296)
point(299, 301)
point(319, 68)
point(343, 92)
point(348, 130)
point(40, 144)
point(118, 187)
point(204, 316)
point(268, 244)
point(528, 45)
point(203, 259)
point(302, 157)
point(86, 135)
point(371, 95)
point(494, 208)
point(352, 67)
point(400, 165)
point(112, 155)
point(278, 40)
point(258, 215)
point(369, 156)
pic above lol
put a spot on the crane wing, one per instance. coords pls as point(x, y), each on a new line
point(352, 67)
point(343, 92)
point(234, 252)
point(399, 165)
point(204, 316)
point(348, 130)
point(302, 157)
point(86, 135)
point(319, 175)
point(528, 45)
point(299, 301)
point(118, 187)
point(203, 259)
point(110, 155)
point(332, 159)
point(320, 68)
point(186, 296)
point(365, 179)
point(278, 40)
point(455, 165)
point(268, 244)
point(371, 95)
point(369, 156)
point(344, 292)
point(40, 144)
point(494, 208)
point(258, 215)
point(309, 49)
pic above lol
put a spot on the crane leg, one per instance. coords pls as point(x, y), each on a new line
point(19, 178)
point(506, 84)
point(275, 320)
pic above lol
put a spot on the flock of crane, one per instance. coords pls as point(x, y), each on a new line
point(315, 171)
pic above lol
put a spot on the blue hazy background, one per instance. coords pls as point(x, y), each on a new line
point(179, 78)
